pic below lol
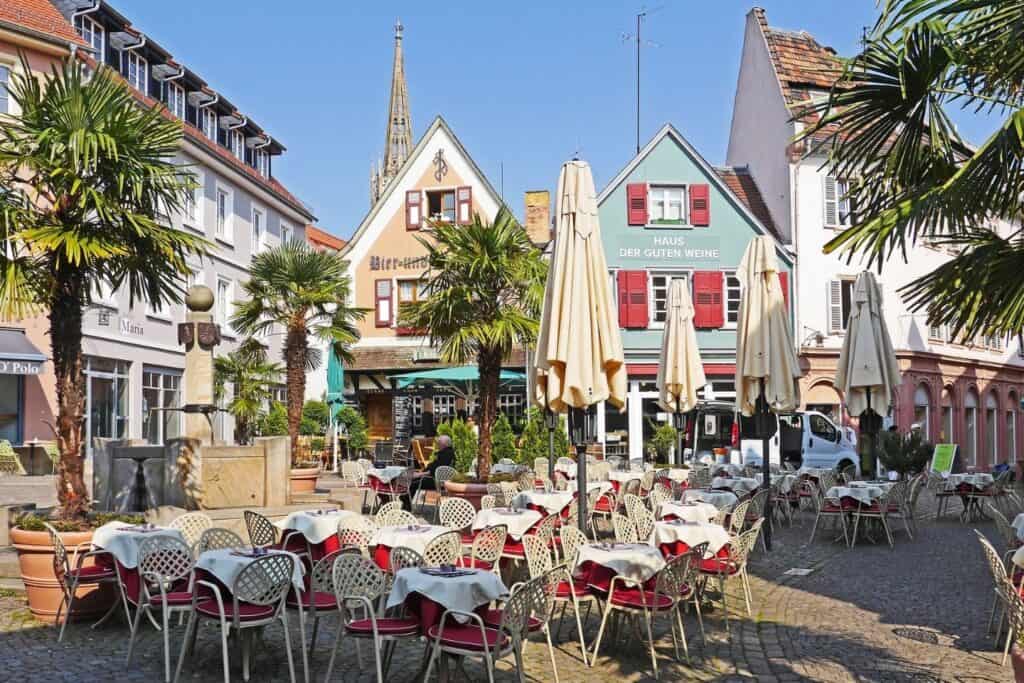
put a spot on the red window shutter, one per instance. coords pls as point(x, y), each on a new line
point(700, 206)
point(784, 283)
point(413, 210)
point(636, 203)
point(708, 308)
point(464, 205)
point(632, 285)
point(382, 303)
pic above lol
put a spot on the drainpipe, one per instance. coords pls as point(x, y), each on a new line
point(204, 105)
point(261, 146)
point(83, 12)
point(243, 122)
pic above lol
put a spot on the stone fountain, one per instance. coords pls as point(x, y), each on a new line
point(192, 472)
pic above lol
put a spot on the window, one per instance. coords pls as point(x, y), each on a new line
point(838, 208)
point(444, 407)
point(417, 411)
point(441, 205)
point(840, 301)
point(106, 399)
point(410, 291)
point(137, 71)
point(1011, 430)
point(659, 286)
point(224, 302)
point(5, 100)
point(257, 230)
point(512, 406)
point(970, 442)
point(224, 227)
point(992, 427)
point(822, 428)
point(192, 209)
point(236, 142)
point(286, 233)
point(161, 389)
point(922, 410)
point(994, 342)
point(382, 303)
point(208, 123)
point(261, 161)
point(732, 300)
point(194, 277)
point(666, 205)
point(92, 33)
point(937, 333)
point(176, 100)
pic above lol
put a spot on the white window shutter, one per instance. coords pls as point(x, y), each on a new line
point(835, 306)
point(831, 201)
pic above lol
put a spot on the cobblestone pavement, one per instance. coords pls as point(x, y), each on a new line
point(918, 613)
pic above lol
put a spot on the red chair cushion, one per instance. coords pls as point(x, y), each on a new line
point(492, 619)
point(318, 599)
point(93, 572)
point(246, 611)
point(603, 505)
point(514, 548)
point(173, 598)
point(637, 598)
point(718, 565)
point(832, 508)
point(469, 637)
point(476, 563)
point(565, 589)
point(468, 537)
point(385, 627)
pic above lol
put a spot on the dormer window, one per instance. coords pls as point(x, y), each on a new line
point(236, 143)
point(176, 100)
point(93, 34)
point(137, 71)
point(208, 123)
point(262, 162)
point(667, 204)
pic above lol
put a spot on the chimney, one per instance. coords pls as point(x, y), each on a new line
point(538, 216)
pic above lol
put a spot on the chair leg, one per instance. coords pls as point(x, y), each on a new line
point(246, 642)
point(551, 652)
point(377, 660)
point(600, 632)
point(519, 665)
point(186, 645)
point(67, 616)
point(288, 647)
point(165, 617)
point(430, 664)
point(682, 632)
point(579, 630)
point(650, 642)
point(302, 641)
point(334, 650)
point(131, 640)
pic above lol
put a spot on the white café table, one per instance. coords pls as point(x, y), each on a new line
point(553, 502)
point(315, 525)
point(723, 500)
point(385, 474)
point(693, 511)
point(738, 485)
point(637, 562)
point(123, 540)
point(518, 522)
point(225, 564)
point(863, 492)
point(691, 534)
point(602, 486)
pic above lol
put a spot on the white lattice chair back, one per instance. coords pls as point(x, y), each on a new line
point(740, 546)
point(509, 489)
point(357, 577)
point(365, 464)
point(625, 531)
point(538, 555)
point(264, 581)
point(191, 525)
point(565, 461)
point(164, 559)
point(529, 599)
point(442, 475)
point(488, 543)
point(262, 531)
point(488, 501)
point(572, 540)
point(354, 536)
point(738, 517)
point(659, 494)
point(218, 538)
point(403, 558)
point(642, 518)
point(353, 473)
point(397, 518)
point(457, 513)
point(386, 509)
point(445, 549)
point(540, 465)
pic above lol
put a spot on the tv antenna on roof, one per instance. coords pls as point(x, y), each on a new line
point(636, 37)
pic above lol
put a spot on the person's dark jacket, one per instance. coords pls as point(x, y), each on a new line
point(443, 457)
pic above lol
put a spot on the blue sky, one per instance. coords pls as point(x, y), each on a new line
point(521, 83)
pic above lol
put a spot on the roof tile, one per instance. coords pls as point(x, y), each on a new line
point(742, 184)
point(39, 16)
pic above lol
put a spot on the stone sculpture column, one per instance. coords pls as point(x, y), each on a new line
point(200, 336)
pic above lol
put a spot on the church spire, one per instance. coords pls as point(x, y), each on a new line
point(398, 137)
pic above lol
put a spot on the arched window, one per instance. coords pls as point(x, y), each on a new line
point(922, 410)
point(824, 399)
point(1011, 427)
point(970, 440)
point(946, 428)
point(992, 426)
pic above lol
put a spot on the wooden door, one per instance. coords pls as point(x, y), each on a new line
point(378, 416)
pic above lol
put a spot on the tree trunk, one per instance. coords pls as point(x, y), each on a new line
point(296, 347)
point(489, 367)
point(66, 346)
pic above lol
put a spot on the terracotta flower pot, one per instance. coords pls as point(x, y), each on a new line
point(35, 559)
point(303, 479)
point(471, 492)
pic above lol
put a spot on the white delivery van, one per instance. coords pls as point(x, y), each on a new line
point(803, 439)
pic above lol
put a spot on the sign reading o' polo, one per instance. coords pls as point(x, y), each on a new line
point(648, 247)
point(20, 367)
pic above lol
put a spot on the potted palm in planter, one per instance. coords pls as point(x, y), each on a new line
point(68, 162)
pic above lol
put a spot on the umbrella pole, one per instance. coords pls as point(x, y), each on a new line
point(578, 428)
point(551, 420)
point(679, 437)
point(764, 414)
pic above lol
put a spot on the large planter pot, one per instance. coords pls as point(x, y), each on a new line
point(303, 479)
point(35, 560)
point(471, 492)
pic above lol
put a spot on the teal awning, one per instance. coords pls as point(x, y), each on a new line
point(335, 378)
point(461, 374)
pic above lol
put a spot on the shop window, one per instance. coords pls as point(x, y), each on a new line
point(444, 407)
point(10, 407)
point(161, 389)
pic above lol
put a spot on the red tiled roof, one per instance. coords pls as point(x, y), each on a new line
point(321, 238)
point(742, 184)
point(271, 184)
point(39, 16)
point(800, 61)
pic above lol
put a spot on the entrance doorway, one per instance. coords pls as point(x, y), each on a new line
point(106, 400)
point(378, 416)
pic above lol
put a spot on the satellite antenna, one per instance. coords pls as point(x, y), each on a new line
point(635, 37)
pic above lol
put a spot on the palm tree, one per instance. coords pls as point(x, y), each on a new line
point(306, 292)
point(251, 376)
point(485, 286)
point(85, 176)
point(886, 124)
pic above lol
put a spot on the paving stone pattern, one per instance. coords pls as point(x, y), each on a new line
point(916, 613)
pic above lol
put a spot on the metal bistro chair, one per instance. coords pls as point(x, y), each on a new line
point(217, 539)
point(258, 597)
point(72, 573)
point(571, 591)
point(445, 549)
point(191, 525)
point(397, 517)
point(625, 530)
point(486, 549)
point(263, 534)
point(356, 533)
point(458, 514)
point(165, 577)
point(735, 565)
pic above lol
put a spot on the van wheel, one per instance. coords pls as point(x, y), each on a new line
point(843, 464)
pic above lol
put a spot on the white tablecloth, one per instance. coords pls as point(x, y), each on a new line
point(738, 485)
point(602, 486)
point(786, 482)
point(517, 521)
point(385, 474)
point(623, 477)
point(695, 511)
point(317, 527)
point(551, 502)
point(978, 480)
point(862, 493)
point(690, 533)
point(416, 538)
point(732, 468)
point(226, 565)
point(634, 561)
point(1018, 525)
point(567, 470)
point(464, 592)
point(723, 500)
point(121, 541)
point(499, 468)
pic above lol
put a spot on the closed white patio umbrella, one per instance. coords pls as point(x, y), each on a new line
point(579, 360)
point(868, 372)
point(767, 370)
point(680, 371)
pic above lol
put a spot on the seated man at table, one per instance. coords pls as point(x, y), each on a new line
point(444, 455)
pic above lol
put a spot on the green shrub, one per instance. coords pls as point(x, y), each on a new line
point(904, 453)
point(33, 521)
point(663, 439)
point(534, 440)
point(316, 418)
point(503, 440)
point(355, 427)
point(464, 441)
point(275, 421)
